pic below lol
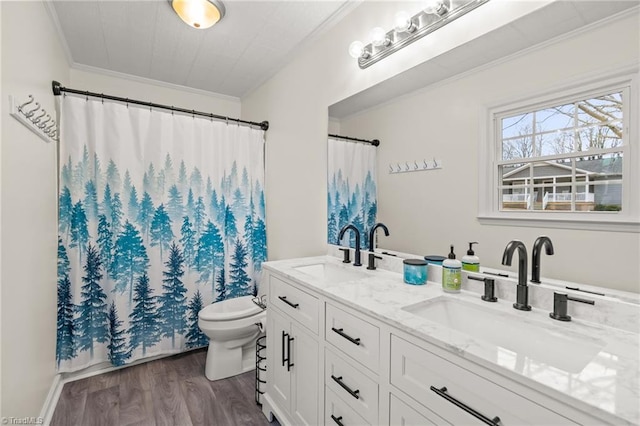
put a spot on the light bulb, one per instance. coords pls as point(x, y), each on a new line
point(355, 49)
point(435, 7)
point(402, 21)
point(378, 36)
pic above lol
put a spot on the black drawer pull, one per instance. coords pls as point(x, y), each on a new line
point(284, 299)
point(443, 393)
point(337, 420)
point(346, 336)
point(353, 393)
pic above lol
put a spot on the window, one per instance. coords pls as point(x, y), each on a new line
point(565, 156)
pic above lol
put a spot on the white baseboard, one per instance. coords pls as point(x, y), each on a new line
point(52, 400)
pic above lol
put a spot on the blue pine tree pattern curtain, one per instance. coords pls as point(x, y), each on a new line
point(351, 197)
point(159, 216)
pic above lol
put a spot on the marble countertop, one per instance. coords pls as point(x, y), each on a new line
point(605, 384)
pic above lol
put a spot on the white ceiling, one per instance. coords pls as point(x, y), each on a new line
point(147, 39)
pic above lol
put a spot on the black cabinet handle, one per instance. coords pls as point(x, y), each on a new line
point(353, 393)
point(284, 299)
point(284, 359)
point(486, 420)
point(289, 363)
point(337, 420)
point(346, 336)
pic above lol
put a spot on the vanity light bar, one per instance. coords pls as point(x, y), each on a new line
point(420, 25)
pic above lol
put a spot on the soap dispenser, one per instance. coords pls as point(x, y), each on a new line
point(451, 275)
point(471, 262)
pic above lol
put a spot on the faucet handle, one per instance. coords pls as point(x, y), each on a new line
point(372, 261)
point(346, 258)
point(489, 288)
point(560, 305)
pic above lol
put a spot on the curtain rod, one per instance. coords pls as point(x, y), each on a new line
point(58, 89)
point(374, 142)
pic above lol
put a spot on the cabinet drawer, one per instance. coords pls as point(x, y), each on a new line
point(338, 413)
point(353, 336)
point(400, 414)
point(354, 387)
point(435, 383)
point(299, 305)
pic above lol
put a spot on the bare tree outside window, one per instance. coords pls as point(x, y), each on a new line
point(579, 141)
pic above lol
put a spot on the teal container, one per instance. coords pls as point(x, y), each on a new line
point(415, 271)
point(435, 259)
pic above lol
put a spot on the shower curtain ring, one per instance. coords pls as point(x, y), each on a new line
point(227, 120)
point(86, 95)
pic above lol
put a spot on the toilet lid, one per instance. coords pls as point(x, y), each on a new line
point(239, 307)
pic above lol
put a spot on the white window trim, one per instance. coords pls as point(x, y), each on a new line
point(628, 220)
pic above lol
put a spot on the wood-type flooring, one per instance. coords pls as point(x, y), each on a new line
point(170, 391)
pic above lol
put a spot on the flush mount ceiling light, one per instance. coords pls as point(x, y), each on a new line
point(407, 29)
point(199, 14)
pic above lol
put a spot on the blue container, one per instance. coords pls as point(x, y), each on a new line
point(435, 259)
point(415, 271)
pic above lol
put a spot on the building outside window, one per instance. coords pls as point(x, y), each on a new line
point(565, 157)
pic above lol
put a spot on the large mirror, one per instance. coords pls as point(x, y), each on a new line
point(432, 122)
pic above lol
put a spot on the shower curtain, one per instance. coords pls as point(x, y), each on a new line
point(351, 188)
point(159, 216)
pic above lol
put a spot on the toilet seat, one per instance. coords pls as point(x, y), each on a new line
point(230, 309)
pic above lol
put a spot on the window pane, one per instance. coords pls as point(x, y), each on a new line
point(557, 198)
point(598, 137)
point(559, 142)
point(555, 118)
point(607, 196)
point(517, 148)
point(515, 198)
point(517, 125)
point(604, 174)
point(600, 110)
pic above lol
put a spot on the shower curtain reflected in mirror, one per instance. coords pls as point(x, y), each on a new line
point(351, 195)
point(160, 214)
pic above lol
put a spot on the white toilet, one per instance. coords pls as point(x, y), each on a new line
point(232, 326)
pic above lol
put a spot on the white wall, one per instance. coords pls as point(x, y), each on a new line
point(427, 211)
point(295, 101)
point(151, 91)
point(31, 58)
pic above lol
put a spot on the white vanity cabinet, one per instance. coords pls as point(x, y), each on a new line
point(330, 363)
point(352, 360)
point(293, 364)
point(460, 396)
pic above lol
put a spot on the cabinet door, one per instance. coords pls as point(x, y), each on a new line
point(304, 376)
point(280, 383)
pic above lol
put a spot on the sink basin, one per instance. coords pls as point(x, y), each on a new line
point(534, 340)
point(330, 273)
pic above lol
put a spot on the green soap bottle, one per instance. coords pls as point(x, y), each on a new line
point(471, 262)
point(451, 273)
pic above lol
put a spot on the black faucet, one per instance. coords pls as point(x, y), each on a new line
point(522, 295)
point(372, 234)
point(535, 267)
point(344, 229)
